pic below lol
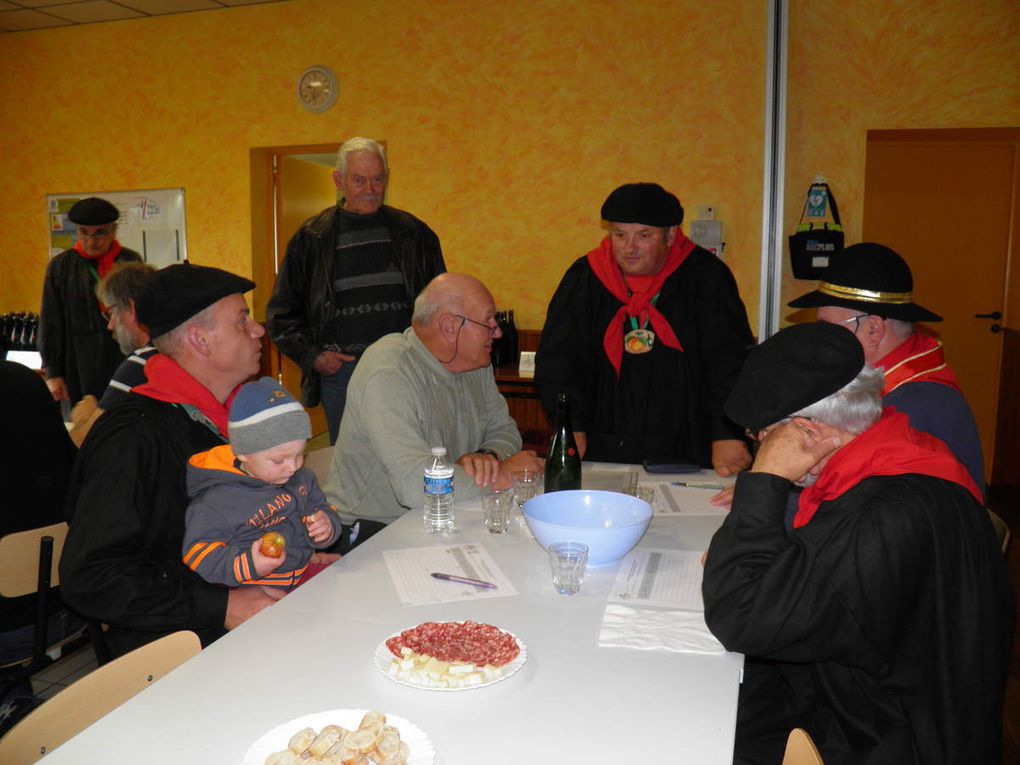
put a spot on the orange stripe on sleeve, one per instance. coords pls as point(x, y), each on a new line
point(209, 547)
point(194, 557)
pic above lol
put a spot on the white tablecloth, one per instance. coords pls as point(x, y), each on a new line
point(573, 701)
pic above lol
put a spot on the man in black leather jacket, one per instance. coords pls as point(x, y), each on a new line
point(350, 276)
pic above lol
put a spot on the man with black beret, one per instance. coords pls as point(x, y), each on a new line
point(882, 622)
point(869, 290)
point(647, 333)
point(122, 560)
point(79, 356)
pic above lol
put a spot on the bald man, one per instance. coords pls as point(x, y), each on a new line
point(431, 385)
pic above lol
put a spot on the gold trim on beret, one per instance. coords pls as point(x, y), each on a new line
point(865, 296)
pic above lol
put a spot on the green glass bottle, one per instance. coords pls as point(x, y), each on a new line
point(563, 464)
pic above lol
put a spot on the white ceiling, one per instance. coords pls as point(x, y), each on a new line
point(22, 15)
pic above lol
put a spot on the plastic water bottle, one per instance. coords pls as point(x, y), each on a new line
point(438, 512)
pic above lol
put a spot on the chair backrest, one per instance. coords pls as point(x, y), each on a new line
point(801, 750)
point(1001, 531)
point(93, 696)
point(19, 559)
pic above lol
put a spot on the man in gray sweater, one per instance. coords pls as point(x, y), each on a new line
point(430, 386)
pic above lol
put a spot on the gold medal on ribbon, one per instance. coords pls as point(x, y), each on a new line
point(638, 341)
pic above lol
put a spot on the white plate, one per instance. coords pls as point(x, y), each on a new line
point(422, 752)
point(383, 656)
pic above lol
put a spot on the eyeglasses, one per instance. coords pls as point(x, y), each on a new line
point(854, 318)
point(100, 233)
point(488, 327)
point(108, 312)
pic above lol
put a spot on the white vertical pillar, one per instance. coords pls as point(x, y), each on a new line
point(772, 237)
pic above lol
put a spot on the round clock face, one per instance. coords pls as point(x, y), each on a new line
point(317, 88)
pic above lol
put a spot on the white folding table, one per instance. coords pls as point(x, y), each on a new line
point(572, 702)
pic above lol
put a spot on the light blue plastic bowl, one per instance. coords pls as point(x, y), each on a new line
point(608, 522)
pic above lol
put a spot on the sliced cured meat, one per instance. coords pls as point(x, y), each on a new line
point(469, 642)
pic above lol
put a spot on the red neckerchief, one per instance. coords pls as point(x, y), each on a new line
point(919, 359)
point(637, 304)
point(169, 382)
point(105, 261)
point(889, 447)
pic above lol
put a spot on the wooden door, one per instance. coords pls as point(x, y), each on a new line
point(942, 199)
point(289, 185)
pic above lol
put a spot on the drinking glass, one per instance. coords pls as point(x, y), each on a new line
point(496, 509)
point(526, 484)
point(568, 560)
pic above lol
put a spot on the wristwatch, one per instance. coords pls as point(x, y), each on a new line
point(490, 452)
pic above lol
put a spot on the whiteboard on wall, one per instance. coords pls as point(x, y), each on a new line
point(151, 223)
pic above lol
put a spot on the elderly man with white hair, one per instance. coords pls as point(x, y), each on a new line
point(882, 621)
point(430, 386)
point(350, 276)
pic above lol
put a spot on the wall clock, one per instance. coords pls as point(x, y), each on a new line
point(317, 88)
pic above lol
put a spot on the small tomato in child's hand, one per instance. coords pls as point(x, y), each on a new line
point(272, 544)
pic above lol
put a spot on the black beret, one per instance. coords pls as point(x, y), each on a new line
point(176, 293)
point(796, 367)
point(646, 203)
point(870, 278)
point(92, 211)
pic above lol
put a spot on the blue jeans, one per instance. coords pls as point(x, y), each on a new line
point(334, 397)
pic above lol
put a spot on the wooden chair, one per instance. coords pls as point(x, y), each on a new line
point(801, 750)
point(28, 566)
point(1001, 531)
point(102, 690)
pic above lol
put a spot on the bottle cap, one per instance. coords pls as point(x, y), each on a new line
point(438, 451)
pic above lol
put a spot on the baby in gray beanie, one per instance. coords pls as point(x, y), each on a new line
point(257, 514)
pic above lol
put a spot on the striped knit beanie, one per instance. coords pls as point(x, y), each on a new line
point(264, 415)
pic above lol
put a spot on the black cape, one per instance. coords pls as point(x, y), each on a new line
point(73, 339)
point(35, 468)
point(883, 627)
point(666, 402)
point(122, 558)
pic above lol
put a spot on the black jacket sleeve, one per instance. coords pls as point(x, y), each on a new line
point(563, 362)
point(51, 322)
point(121, 562)
point(724, 336)
point(289, 311)
point(833, 590)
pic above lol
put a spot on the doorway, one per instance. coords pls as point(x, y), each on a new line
point(943, 200)
point(289, 185)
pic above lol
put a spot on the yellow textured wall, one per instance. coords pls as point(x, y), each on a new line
point(507, 122)
point(861, 65)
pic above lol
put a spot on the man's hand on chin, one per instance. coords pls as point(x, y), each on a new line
point(730, 456)
point(795, 448)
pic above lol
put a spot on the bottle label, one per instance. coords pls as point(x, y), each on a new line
point(439, 484)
